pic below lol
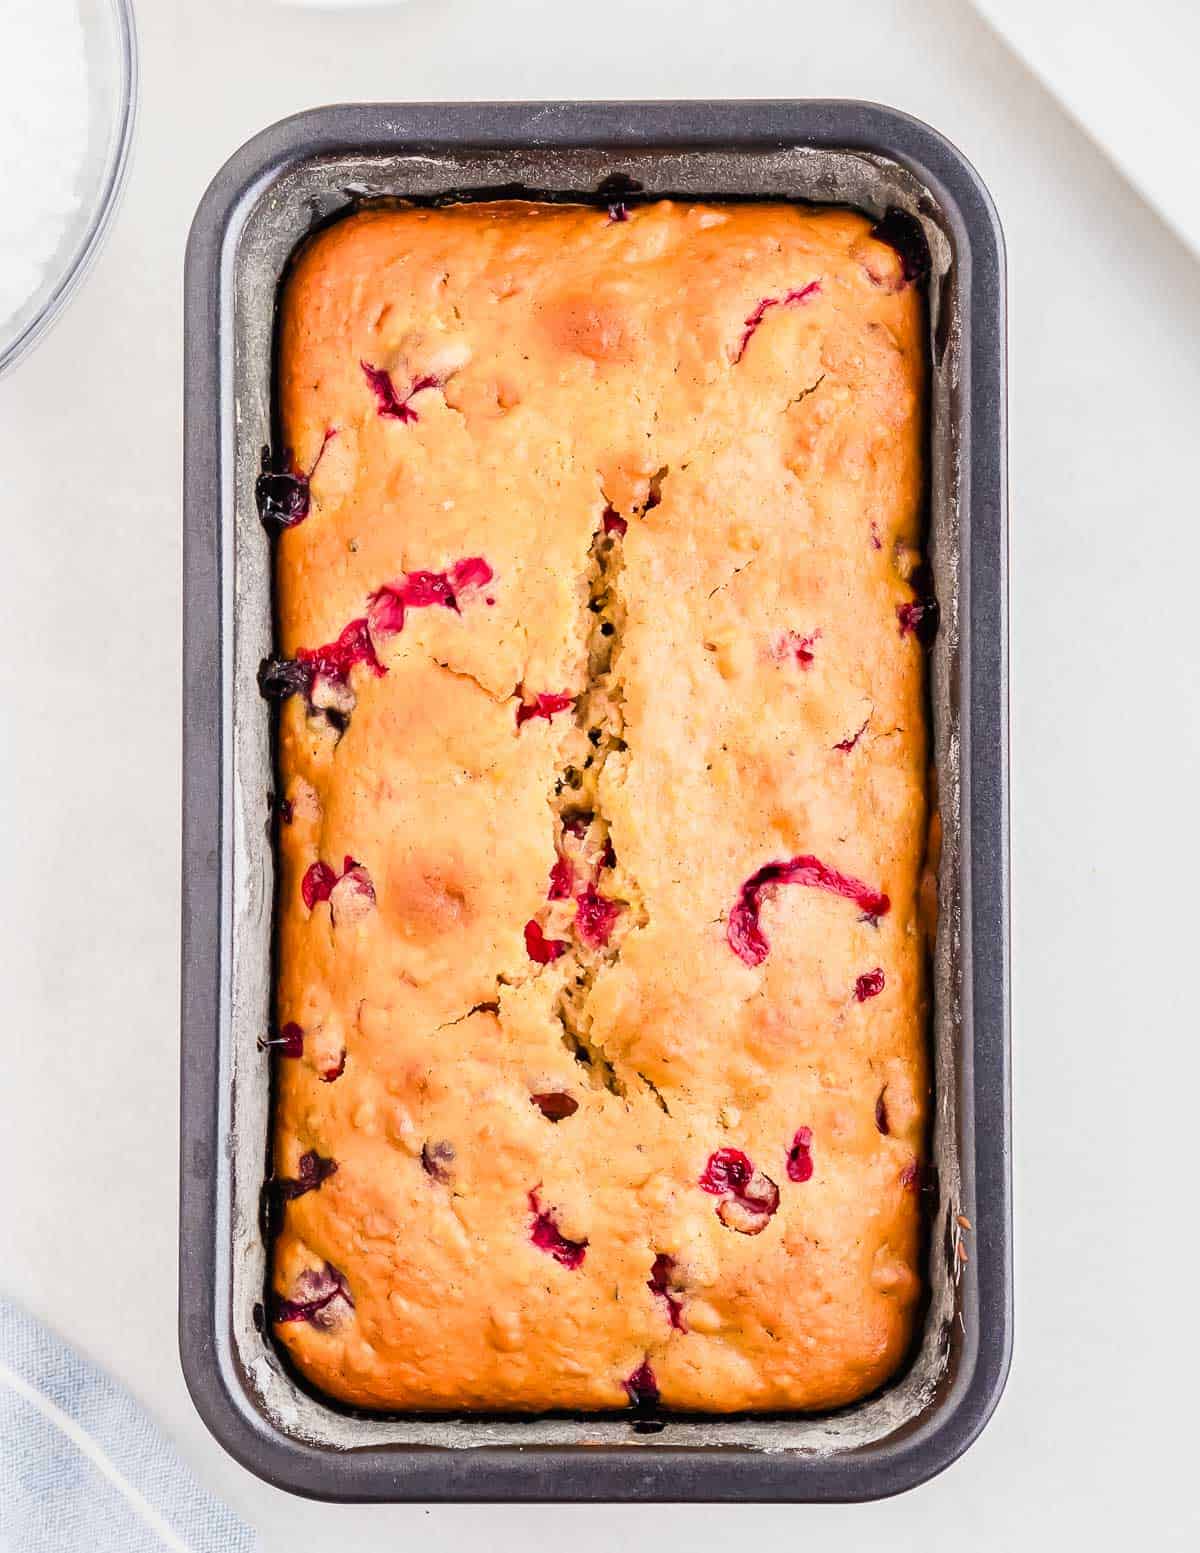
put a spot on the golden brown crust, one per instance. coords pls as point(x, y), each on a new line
point(770, 486)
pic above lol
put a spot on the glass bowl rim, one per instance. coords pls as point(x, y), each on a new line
point(107, 195)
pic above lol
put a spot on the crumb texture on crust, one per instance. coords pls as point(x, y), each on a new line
point(600, 1016)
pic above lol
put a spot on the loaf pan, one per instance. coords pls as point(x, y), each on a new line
point(291, 178)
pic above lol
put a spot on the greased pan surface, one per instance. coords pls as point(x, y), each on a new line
point(274, 191)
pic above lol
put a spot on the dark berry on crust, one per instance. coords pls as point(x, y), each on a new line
point(437, 1160)
point(281, 677)
point(918, 1176)
point(320, 673)
point(314, 1170)
point(921, 617)
point(281, 491)
point(661, 1273)
point(321, 1297)
point(799, 1160)
point(546, 1236)
point(556, 1104)
point(906, 235)
point(642, 1387)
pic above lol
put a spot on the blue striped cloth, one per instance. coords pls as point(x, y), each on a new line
point(82, 1467)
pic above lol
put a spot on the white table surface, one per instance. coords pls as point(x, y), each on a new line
point(1092, 1444)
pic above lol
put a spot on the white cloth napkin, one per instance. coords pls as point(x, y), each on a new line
point(82, 1467)
point(1127, 73)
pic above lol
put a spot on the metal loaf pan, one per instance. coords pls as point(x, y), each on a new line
point(290, 178)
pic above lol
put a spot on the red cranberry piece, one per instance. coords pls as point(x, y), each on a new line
point(750, 1215)
point(556, 1105)
point(799, 1160)
point(540, 949)
point(355, 874)
point(387, 402)
point(760, 312)
point(618, 211)
point(426, 590)
point(285, 811)
point(612, 522)
point(594, 917)
point(917, 1177)
point(314, 1169)
point(544, 704)
point(320, 881)
point(749, 1196)
point(921, 617)
point(423, 590)
point(386, 610)
point(280, 677)
point(562, 881)
point(317, 884)
point(473, 572)
point(659, 1283)
point(289, 1041)
point(906, 235)
point(322, 1298)
point(437, 1160)
point(336, 659)
point(546, 1237)
point(801, 647)
point(642, 1387)
point(328, 1076)
point(744, 933)
point(846, 745)
point(876, 542)
point(728, 1170)
point(869, 984)
point(881, 1115)
point(749, 1211)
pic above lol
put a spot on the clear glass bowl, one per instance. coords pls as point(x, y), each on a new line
point(111, 49)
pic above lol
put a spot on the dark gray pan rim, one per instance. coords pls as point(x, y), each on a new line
point(641, 1470)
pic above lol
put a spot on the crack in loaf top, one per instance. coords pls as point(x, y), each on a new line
point(623, 519)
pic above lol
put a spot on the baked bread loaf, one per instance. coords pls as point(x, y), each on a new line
point(603, 901)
